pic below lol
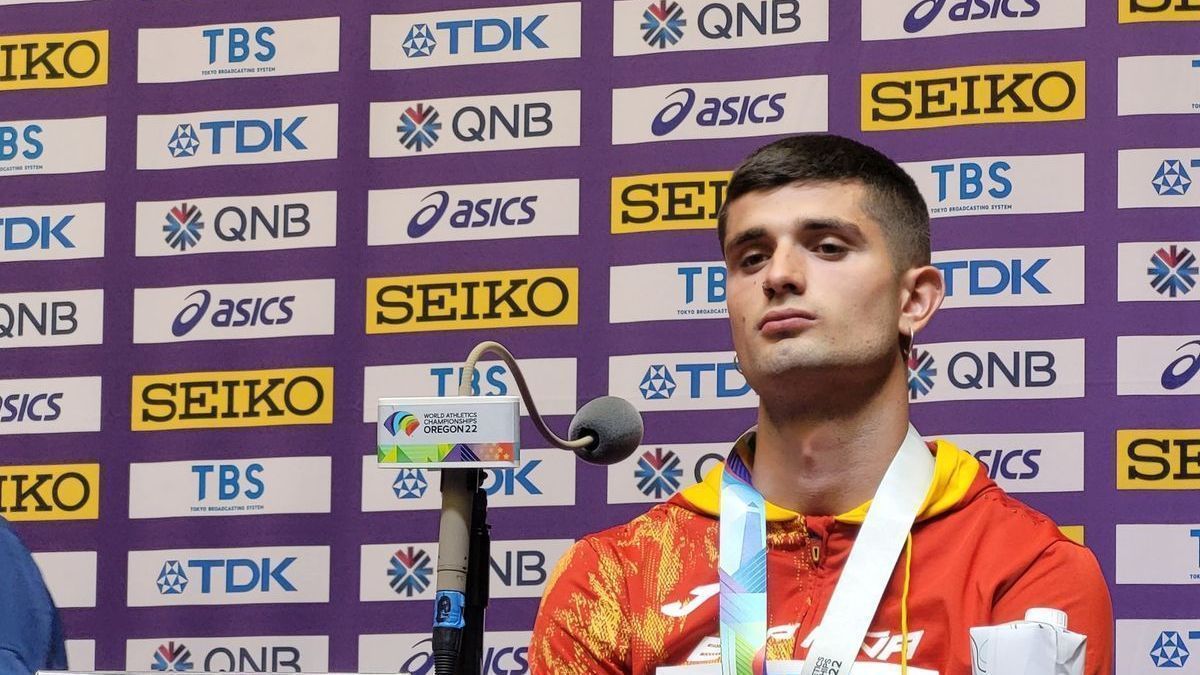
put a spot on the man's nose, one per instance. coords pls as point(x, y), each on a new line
point(785, 272)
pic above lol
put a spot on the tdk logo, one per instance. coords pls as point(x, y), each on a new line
point(512, 481)
point(23, 141)
point(232, 576)
point(475, 36)
point(926, 11)
point(245, 136)
point(1014, 464)
point(718, 111)
point(993, 277)
point(698, 380)
point(232, 313)
point(227, 482)
point(1172, 178)
point(1170, 650)
point(471, 213)
point(235, 44)
point(36, 232)
point(966, 181)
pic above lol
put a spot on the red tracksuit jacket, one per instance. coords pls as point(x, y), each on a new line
point(644, 594)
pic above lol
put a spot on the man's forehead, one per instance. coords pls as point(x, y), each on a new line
point(796, 203)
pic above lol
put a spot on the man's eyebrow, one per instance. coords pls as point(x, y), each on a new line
point(747, 236)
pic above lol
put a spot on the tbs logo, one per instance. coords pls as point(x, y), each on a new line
point(241, 137)
point(972, 180)
point(717, 112)
point(22, 141)
point(233, 44)
point(229, 480)
point(475, 36)
point(471, 213)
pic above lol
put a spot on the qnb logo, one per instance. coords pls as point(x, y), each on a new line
point(1172, 177)
point(496, 661)
point(1016, 464)
point(925, 12)
point(184, 226)
point(1173, 271)
point(232, 313)
point(662, 24)
point(476, 36)
point(657, 383)
point(172, 658)
point(410, 571)
point(471, 213)
point(1181, 371)
point(22, 232)
point(921, 371)
point(973, 181)
point(241, 575)
point(23, 141)
point(1024, 369)
point(718, 112)
point(658, 473)
point(248, 136)
point(410, 484)
point(233, 44)
point(1170, 650)
point(419, 127)
point(46, 319)
point(993, 277)
point(402, 421)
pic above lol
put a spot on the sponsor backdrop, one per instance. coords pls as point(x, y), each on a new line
point(226, 230)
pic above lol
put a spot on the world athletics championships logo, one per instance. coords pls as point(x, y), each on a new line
point(662, 24)
point(172, 580)
point(1173, 271)
point(172, 658)
point(921, 371)
point(410, 571)
point(1171, 178)
point(1169, 650)
point(410, 484)
point(657, 384)
point(402, 421)
point(184, 142)
point(183, 226)
point(419, 127)
point(658, 473)
point(419, 41)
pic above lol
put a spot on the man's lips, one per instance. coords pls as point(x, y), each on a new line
point(781, 321)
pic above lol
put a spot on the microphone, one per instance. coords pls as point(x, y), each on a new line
point(613, 426)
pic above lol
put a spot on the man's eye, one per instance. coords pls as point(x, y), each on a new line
point(751, 259)
point(831, 248)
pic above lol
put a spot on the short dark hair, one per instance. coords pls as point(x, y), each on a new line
point(892, 196)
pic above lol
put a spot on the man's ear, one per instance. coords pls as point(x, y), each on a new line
point(922, 290)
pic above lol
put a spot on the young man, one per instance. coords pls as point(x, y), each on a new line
point(827, 247)
point(31, 637)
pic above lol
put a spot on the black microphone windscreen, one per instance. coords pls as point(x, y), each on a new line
point(614, 423)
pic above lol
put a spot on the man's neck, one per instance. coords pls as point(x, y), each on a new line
point(827, 459)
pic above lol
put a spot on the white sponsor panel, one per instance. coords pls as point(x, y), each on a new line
point(683, 381)
point(230, 224)
point(1150, 271)
point(67, 232)
point(543, 119)
point(1012, 277)
point(81, 654)
point(545, 477)
point(539, 208)
point(220, 51)
point(1158, 85)
point(1158, 177)
point(551, 381)
point(52, 319)
point(1158, 645)
point(53, 146)
point(519, 569)
point(232, 487)
point(1006, 369)
point(503, 652)
point(1158, 554)
point(233, 311)
point(261, 654)
point(643, 27)
point(1027, 462)
point(1158, 365)
point(907, 19)
point(234, 137)
point(657, 471)
point(1000, 185)
point(228, 576)
point(70, 576)
point(467, 36)
point(686, 290)
point(50, 406)
point(703, 110)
